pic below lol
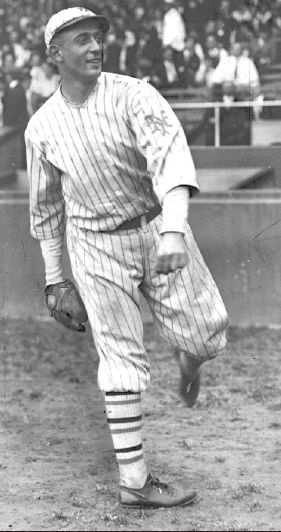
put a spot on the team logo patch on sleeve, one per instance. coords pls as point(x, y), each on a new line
point(156, 123)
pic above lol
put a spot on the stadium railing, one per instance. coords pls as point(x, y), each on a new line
point(181, 106)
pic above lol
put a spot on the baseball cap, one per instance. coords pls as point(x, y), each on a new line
point(67, 17)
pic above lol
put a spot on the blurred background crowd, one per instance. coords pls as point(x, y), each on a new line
point(173, 44)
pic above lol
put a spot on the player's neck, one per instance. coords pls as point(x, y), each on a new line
point(77, 92)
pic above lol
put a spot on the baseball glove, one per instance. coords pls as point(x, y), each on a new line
point(66, 306)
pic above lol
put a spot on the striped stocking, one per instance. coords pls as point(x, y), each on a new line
point(123, 410)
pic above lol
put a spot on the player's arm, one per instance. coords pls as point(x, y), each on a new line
point(52, 252)
point(161, 139)
point(62, 297)
point(47, 225)
point(46, 204)
point(46, 207)
point(172, 251)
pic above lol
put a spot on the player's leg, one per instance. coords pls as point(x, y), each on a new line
point(188, 311)
point(108, 275)
point(189, 385)
point(111, 296)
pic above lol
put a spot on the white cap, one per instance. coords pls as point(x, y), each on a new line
point(67, 17)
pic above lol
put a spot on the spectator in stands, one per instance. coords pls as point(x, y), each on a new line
point(192, 62)
point(112, 52)
point(214, 53)
point(36, 38)
point(263, 19)
point(261, 52)
point(210, 29)
point(151, 72)
point(9, 64)
point(16, 46)
point(4, 36)
point(6, 48)
point(157, 21)
point(174, 31)
point(225, 24)
point(149, 44)
point(144, 70)
point(25, 25)
point(128, 54)
point(120, 25)
point(169, 74)
point(22, 53)
point(137, 19)
point(44, 84)
point(237, 75)
point(245, 34)
point(25, 82)
point(198, 48)
point(140, 27)
point(242, 13)
point(36, 70)
point(197, 13)
point(15, 111)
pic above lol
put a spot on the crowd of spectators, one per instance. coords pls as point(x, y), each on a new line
point(174, 44)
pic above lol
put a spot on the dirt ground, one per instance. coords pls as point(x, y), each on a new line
point(57, 465)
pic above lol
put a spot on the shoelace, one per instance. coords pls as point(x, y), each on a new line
point(161, 486)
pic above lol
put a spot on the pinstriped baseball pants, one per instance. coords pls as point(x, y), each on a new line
point(111, 270)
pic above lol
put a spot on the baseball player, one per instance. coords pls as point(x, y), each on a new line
point(109, 166)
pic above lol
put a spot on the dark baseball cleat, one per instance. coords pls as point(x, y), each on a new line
point(189, 390)
point(189, 376)
point(155, 494)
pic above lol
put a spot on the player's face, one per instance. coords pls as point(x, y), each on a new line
point(82, 51)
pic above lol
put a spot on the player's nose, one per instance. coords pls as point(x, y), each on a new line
point(94, 45)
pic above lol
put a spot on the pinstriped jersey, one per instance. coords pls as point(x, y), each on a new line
point(95, 162)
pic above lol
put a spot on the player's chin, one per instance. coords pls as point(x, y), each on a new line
point(94, 69)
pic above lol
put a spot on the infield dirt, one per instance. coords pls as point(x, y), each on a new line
point(57, 465)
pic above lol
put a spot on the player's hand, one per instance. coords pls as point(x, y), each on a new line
point(172, 253)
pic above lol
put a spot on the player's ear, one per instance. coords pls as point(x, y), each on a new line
point(55, 53)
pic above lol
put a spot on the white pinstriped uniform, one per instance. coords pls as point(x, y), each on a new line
point(89, 167)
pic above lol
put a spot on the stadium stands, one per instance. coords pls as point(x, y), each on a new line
point(141, 32)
